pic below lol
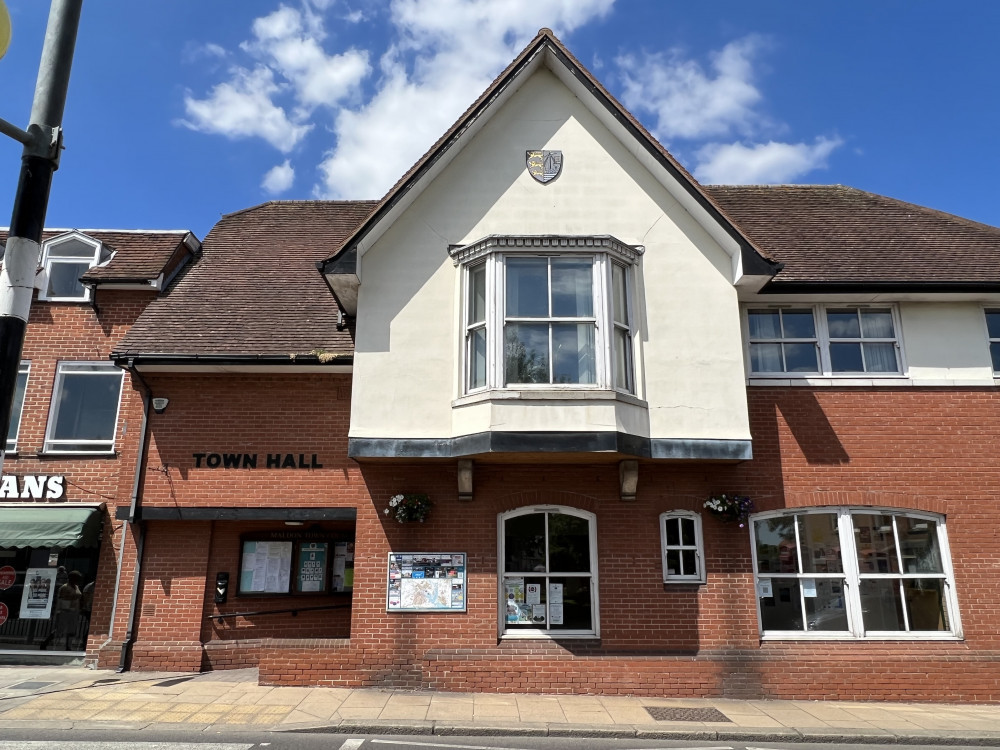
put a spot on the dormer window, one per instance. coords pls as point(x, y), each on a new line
point(64, 260)
point(548, 312)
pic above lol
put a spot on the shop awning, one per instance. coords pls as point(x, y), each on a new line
point(50, 526)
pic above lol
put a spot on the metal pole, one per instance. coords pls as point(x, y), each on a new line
point(39, 159)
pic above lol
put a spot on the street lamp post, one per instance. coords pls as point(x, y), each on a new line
point(39, 159)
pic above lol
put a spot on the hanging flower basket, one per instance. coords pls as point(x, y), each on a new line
point(409, 507)
point(730, 508)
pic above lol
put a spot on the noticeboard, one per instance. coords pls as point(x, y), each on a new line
point(426, 582)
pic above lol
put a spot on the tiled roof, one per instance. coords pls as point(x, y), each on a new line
point(138, 254)
point(255, 291)
point(836, 234)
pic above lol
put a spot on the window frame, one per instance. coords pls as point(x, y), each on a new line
point(700, 574)
point(502, 574)
point(993, 341)
point(10, 443)
point(492, 255)
point(50, 248)
point(822, 341)
point(853, 577)
point(62, 369)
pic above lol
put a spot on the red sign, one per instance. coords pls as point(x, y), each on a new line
point(7, 576)
point(3, 613)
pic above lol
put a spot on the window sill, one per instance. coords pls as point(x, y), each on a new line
point(549, 394)
point(911, 637)
point(76, 454)
point(535, 635)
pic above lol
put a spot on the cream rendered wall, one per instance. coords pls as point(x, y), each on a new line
point(946, 343)
point(688, 345)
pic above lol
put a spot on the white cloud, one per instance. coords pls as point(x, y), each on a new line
point(761, 163)
point(242, 107)
point(687, 101)
point(279, 178)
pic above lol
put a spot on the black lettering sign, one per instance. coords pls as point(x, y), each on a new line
point(249, 460)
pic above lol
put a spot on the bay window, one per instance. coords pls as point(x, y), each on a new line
point(853, 573)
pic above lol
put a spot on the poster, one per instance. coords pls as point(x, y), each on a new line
point(39, 590)
point(425, 582)
point(312, 566)
point(533, 593)
point(809, 588)
point(343, 566)
point(518, 609)
point(266, 568)
point(555, 604)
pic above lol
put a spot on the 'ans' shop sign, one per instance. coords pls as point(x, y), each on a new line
point(32, 487)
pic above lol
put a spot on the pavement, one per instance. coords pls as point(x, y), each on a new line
point(231, 701)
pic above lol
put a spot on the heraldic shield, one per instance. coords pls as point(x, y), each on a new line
point(544, 166)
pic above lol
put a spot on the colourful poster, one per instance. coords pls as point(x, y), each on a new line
point(312, 566)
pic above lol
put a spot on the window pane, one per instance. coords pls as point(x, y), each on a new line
point(620, 295)
point(577, 613)
point(801, 357)
point(477, 294)
point(87, 406)
point(623, 360)
point(995, 354)
point(764, 324)
point(573, 354)
point(765, 358)
point(526, 353)
point(776, 552)
point(674, 562)
point(690, 562)
point(673, 531)
point(477, 358)
point(72, 249)
point(798, 324)
point(527, 288)
point(569, 544)
point(15, 415)
point(524, 544)
point(846, 358)
point(876, 324)
point(572, 287)
point(522, 611)
point(826, 610)
point(918, 544)
point(880, 357)
point(925, 604)
point(820, 543)
point(64, 279)
point(843, 324)
point(993, 323)
point(687, 531)
point(782, 610)
point(881, 605)
point(876, 543)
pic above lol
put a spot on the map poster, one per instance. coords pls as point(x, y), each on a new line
point(425, 582)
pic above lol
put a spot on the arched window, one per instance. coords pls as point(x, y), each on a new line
point(548, 574)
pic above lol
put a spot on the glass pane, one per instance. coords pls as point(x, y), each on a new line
point(690, 562)
point(87, 407)
point(798, 324)
point(843, 324)
point(881, 605)
point(783, 609)
point(576, 608)
point(64, 279)
point(573, 353)
point(918, 544)
point(477, 358)
point(764, 324)
point(801, 357)
point(687, 532)
point(524, 544)
point(674, 562)
point(765, 358)
point(995, 355)
point(15, 413)
point(880, 357)
point(569, 544)
point(776, 545)
point(825, 606)
point(526, 600)
point(875, 543)
point(673, 531)
point(876, 324)
point(620, 295)
point(477, 294)
point(573, 287)
point(623, 360)
point(526, 353)
point(925, 604)
point(71, 249)
point(527, 287)
point(993, 323)
point(846, 358)
point(820, 543)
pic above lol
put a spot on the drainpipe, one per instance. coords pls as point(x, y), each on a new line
point(135, 517)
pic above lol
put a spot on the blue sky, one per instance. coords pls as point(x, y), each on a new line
point(182, 111)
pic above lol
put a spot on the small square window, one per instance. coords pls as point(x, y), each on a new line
point(64, 261)
point(683, 547)
point(84, 412)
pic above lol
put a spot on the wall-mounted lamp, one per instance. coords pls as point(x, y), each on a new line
point(160, 405)
point(295, 523)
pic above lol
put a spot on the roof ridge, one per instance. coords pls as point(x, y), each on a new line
point(302, 201)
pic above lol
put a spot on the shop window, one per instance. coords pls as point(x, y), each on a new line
point(84, 411)
point(854, 573)
point(290, 562)
point(64, 261)
point(823, 340)
point(993, 331)
point(548, 578)
point(682, 546)
point(15, 413)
